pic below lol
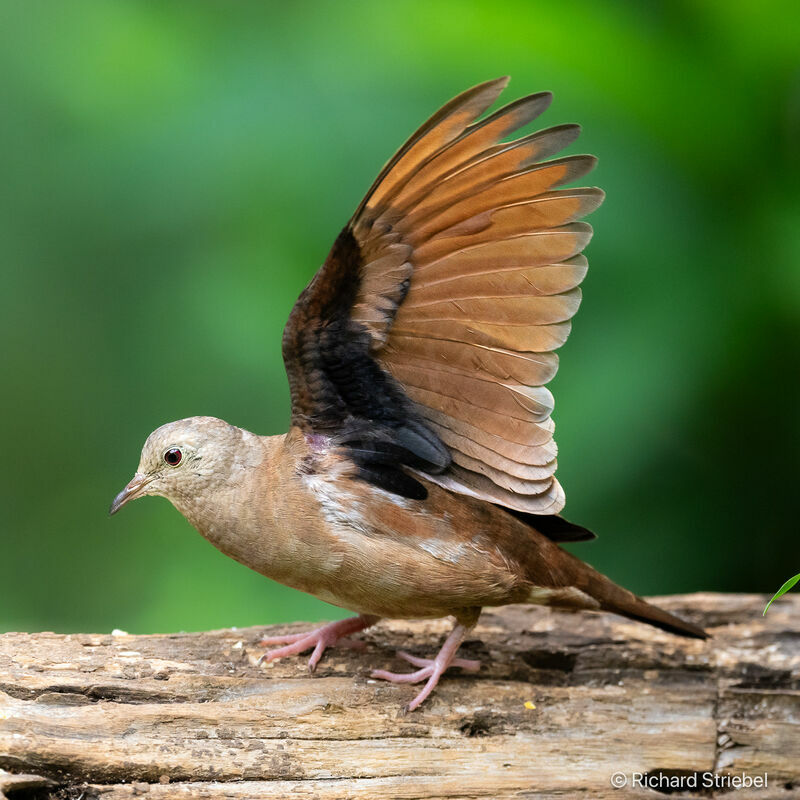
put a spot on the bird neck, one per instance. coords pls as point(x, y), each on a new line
point(228, 509)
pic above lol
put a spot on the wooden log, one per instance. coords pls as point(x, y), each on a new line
point(563, 703)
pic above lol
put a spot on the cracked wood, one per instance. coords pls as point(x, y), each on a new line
point(562, 702)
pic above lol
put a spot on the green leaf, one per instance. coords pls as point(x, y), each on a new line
point(785, 588)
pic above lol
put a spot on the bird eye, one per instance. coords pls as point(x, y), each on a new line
point(173, 456)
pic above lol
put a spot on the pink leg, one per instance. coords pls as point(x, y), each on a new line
point(432, 669)
point(320, 639)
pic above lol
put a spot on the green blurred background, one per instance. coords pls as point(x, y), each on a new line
point(174, 172)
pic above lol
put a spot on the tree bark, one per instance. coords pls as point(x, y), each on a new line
point(563, 702)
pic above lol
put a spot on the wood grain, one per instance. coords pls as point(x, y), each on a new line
point(562, 702)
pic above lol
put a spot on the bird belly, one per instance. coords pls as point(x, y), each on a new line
point(386, 555)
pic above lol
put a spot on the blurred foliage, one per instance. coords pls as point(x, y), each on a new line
point(174, 172)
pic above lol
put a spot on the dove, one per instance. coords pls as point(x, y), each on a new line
point(417, 479)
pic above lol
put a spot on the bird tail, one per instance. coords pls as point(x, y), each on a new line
point(611, 597)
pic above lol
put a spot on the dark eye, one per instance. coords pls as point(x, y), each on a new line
point(173, 457)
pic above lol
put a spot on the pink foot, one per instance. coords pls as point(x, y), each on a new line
point(320, 639)
point(431, 669)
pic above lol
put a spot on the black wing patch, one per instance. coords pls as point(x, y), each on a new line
point(554, 527)
point(338, 389)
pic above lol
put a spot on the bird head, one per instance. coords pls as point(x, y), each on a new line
point(181, 458)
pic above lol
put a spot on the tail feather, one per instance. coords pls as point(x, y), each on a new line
point(620, 601)
point(642, 611)
point(611, 597)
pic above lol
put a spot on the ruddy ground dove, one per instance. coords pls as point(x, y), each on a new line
point(418, 476)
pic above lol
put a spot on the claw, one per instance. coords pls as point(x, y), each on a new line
point(402, 677)
point(319, 639)
point(468, 664)
point(431, 669)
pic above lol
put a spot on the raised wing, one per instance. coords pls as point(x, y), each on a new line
point(425, 341)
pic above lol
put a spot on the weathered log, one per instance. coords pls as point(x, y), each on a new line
point(563, 702)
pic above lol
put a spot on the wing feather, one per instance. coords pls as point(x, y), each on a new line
point(425, 342)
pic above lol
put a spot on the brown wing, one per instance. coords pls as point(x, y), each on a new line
point(427, 337)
